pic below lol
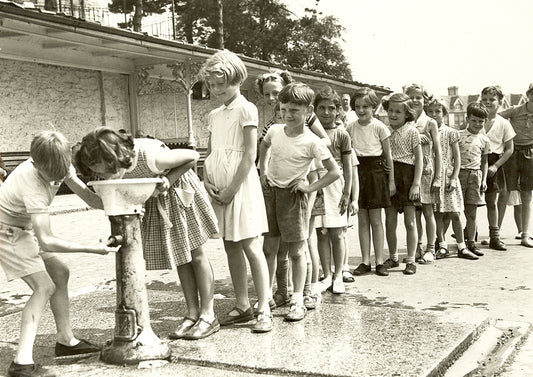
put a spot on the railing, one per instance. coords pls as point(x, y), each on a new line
point(157, 25)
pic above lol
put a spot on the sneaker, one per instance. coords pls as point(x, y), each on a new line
point(497, 244)
point(263, 323)
point(410, 269)
point(474, 249)
point(362, 269)
point(31, 370)
point(381, 270)
point(389, 263)
point(81, 348)
point(296, 313)
point(326, 283)
point(338, 287)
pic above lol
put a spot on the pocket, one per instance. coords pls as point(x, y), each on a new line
point(185, 194)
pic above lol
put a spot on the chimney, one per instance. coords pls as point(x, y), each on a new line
point(453, 90)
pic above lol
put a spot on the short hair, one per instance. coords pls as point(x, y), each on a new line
point(436, 102)
point(369, 96)
point(297, 93)
point(410, 113)
point(225, 63)
point(477, 109)
point(284, 77)
point(50, 151)
point(107, 146)
point(327, 93)
point(417, 88)
point(492, 90)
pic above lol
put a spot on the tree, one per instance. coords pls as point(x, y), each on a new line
point(140, 8)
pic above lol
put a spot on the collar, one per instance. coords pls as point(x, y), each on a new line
point(235, 102)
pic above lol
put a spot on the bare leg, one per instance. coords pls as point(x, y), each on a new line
point(299, 265)
point(503, 198)
point(470, 214)
point(324, 251)
point(391, 222)
point(259, 268)
point(364, 235)
point(205, 282)
point(237, 269)
point(43, 288)
point(271, 248)
point(337, 238)
point(409, 219)
point(378, 238)
point(190, 289)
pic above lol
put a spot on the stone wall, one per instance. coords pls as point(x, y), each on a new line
point(35, 97)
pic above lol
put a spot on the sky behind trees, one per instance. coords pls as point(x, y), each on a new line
point(437, 43)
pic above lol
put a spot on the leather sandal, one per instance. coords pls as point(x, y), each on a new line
point(243, 316)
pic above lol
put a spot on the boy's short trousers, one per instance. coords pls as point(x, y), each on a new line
point(373, 183)
point(404, 174)
point(496, 183)
point(332, 217)
point(471, 185)
point(19, 252)
point(286, 214)
point(519, 169)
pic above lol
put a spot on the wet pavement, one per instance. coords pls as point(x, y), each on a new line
point(383, 326)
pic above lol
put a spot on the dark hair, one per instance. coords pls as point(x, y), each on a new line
point(327, 93)
point(368, 95)
point(477, 109)
point(284, 77)
point(104, 145)
point(297, 93)
point(410, 113)
point(492, 90)
point(436, 102)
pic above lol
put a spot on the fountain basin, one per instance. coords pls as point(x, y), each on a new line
point(124, 196)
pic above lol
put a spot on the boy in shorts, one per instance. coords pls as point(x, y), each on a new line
point(28, 246)
point(293, 148)
point(474, 148)
point(519, 168)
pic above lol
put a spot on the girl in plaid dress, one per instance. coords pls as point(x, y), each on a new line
point(178, 219)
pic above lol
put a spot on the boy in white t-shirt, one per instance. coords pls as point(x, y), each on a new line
point(28, 247)
point(293, 148)
point(500, 134)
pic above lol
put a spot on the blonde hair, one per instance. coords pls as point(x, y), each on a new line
point(50, 151)
point(225, 63)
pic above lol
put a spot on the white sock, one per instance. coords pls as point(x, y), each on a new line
point(298, 298)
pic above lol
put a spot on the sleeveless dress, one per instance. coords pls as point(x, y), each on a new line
point(245, 216)
point(172, 226)
point(428, 171)
point(451, 201)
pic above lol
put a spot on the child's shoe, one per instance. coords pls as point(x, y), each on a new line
point(410, 269)
point(362, 269)
point(389, 263)
point(497, 244)
point(296, 313)
point(338, 287)
point(81, 348)
point(381, 270)
point(281, 299)
point(263, 323)
point(326, 283)
point(31, 370)
point(526, 241)
point(441, 252)
point(474, 249)
point(311, 301)
point(466, 254)
point(183, 328)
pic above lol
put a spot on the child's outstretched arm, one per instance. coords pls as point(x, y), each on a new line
point(434, 131)
point(414, 191)
point(355, 192)
point(49, 242)
point(334, 173)
point(247, 162)
point(79, 188)
point(178, 161)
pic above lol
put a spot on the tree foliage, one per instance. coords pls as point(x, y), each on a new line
point(263, 29)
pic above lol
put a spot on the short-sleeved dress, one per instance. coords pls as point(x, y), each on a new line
point(428, 171)
point(449, 201)
point(245, 216)
point(172, 226)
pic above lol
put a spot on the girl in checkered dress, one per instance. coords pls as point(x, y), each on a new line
point(178, 218)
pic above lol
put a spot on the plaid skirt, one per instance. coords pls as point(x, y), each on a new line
point(174, 225)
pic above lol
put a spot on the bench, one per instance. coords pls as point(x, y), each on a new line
point(10, 160)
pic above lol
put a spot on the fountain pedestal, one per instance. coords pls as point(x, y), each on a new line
point(134, 340)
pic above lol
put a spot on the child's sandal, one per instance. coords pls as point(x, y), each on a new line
point(442, 252)
point(427, 258)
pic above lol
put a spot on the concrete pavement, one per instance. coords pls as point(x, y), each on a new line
point(458, 293)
